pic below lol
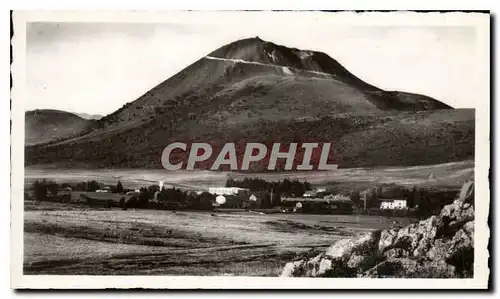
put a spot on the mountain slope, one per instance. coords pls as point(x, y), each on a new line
point(240, 73)
point(252, 90)
point(43, 125)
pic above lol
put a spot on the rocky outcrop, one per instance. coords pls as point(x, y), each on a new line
point(441, 246)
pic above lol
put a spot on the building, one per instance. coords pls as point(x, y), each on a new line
point(220, 200)
point(257, 200)
point(332, 205)
point(393, 204)
point(225, 190)
point(310, 194)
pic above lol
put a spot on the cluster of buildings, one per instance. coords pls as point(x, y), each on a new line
point(234, 197)
point(329, 204)
point(314, 201)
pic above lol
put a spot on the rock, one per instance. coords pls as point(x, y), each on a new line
point(467, 192)
point(434, 269)
point(396, 253)
point(292, 269)
point(437, 269)
point(423, 247)
point(386, 239)
point(324, 266)
point(438, 250)
point(469, 229)
point(344, 248)
point(340, 249)
point(460, 241)
point(397, 267)
point(355, 261)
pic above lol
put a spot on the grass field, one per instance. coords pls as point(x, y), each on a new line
point(74, 241)
point(450, 175)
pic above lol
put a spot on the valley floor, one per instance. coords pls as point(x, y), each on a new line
point(71, 240)
point(446, 175)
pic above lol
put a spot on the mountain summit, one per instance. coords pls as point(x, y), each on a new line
point(256, 50)
point(260, 51)
point(252, 90)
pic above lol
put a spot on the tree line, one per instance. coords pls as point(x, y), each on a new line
point(422, 202)
point(286, 187)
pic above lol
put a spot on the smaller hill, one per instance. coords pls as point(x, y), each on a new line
point(44, 125)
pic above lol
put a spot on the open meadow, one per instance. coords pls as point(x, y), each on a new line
point(70, 239)
point(447, 175)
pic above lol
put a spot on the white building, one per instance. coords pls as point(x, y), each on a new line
point(220, 200)
point(225, 190)
point(309, 194)
point(393, 204)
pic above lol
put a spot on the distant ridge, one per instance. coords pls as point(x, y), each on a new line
point(45, 125)
point(89, 116)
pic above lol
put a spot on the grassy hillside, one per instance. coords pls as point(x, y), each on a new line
point(44, 125)
point(391, 138)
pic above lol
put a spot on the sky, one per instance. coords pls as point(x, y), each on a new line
point(97, 67)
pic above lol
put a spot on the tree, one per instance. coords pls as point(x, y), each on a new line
point(92, 186)
point(204, 201)
point(152, 189)
point(52, 187)
point(371, 198)
point(356, 198)
point(265, 201)
point(410, 198)
point(122, 203)
point(143, 198)
point(65, 185)
point(425, 205)
point(276, 199)
point(82, 186)
point(119, 187)
point(40, 189)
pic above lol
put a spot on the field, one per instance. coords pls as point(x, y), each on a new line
point(447, 175)
point(65, 239)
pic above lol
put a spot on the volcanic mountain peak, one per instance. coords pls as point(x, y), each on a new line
point(258, 50)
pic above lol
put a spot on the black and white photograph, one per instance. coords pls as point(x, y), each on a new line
point(250, 146)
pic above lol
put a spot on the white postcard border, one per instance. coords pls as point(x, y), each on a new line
point(482, 165)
